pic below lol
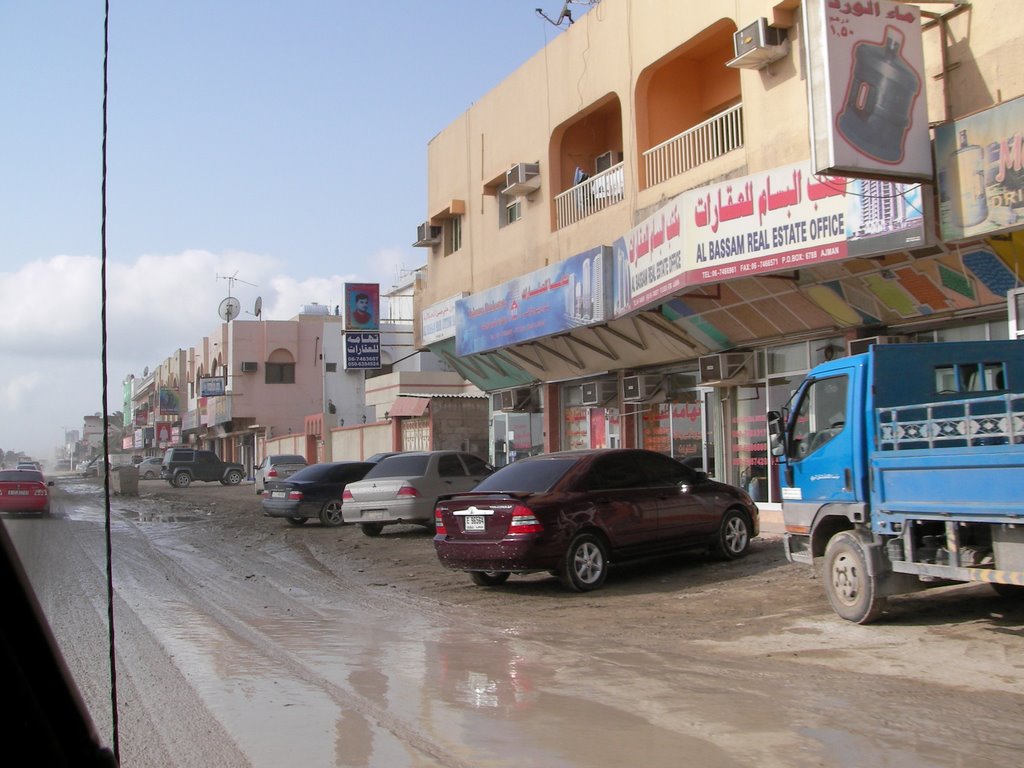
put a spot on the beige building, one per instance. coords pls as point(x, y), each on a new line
point(651, 230)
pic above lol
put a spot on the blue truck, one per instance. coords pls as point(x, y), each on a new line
point(902, 468)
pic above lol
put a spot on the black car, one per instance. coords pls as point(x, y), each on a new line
point(314, 491)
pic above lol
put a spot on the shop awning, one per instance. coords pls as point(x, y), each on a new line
point(408, 406)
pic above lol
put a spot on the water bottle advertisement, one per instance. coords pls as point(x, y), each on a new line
point(979, 162)
point(558, 298)
point(867, 88)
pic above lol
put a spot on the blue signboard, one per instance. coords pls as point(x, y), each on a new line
point(551, 300)
point(362, 351)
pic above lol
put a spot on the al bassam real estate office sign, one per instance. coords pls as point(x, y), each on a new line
point(362, 351)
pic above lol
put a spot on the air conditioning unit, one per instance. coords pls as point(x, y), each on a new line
point(427, 234)
point(522, 179)
point(856, 346)
point(606, 161)
point(1015, 311)
point(725, 368)
point(598, 392)
point(636, 389)
point(249, 367)
point(514, 400)
point(757, 45)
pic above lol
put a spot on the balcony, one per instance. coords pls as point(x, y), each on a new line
point(589, 196)
point(704, 142)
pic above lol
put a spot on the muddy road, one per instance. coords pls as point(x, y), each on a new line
point(243, 641)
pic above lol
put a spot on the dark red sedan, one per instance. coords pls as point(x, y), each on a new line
point(575, 512)
point(24, 490)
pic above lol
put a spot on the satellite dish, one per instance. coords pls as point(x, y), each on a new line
point(229, 309)
point(258, 309)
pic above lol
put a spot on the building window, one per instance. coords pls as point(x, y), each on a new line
point(280, 373)
point(452, 235)
point(510, 209)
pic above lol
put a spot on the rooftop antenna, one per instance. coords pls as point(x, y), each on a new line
point(565, 14)
point(230, 307)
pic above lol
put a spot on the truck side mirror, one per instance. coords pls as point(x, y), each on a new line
point(776, 436)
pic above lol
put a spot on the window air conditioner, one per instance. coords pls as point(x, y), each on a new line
point(1015, 311)
point(514, 400)
point(427, 234)
point(722, 368)
point(856, 346)
point(522, 179)
point(249, 367)
point(597, 392)
point(606, 161)
point(757, 45)
point(636, 389)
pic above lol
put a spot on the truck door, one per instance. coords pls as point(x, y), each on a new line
point(820, 450)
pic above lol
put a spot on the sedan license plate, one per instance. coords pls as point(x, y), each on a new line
point(278, 494)
point(476, 523)
point(17, 493)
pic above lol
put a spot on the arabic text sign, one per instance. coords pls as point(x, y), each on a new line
point(437, 322)
point(362, 351)
point(551, 300)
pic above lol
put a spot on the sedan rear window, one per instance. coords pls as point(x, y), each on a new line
point(21, 476)
point(400, 466)
point(526, 476)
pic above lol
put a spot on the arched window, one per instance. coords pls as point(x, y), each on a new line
point(279, 368)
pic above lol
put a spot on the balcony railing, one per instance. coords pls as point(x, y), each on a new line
point(704, 142)
point(590, 196)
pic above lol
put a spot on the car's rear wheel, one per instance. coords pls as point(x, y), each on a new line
point(182, 480)
point(371, 529)
point(733, 535)
point(488, 578)
point(233, 477)
point(585, 565)
point(330, 513)
point(296, 521)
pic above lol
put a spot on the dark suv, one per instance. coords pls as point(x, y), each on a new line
point(183, 465)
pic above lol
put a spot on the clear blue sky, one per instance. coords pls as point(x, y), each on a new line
point(283, 143)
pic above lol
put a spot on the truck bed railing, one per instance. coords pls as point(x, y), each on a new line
point(977, 421)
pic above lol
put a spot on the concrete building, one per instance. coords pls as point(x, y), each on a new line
point(648, 233)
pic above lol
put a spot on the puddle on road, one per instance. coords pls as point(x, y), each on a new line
point(351, 688)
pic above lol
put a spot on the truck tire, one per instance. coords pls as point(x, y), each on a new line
point(232, 477)
point(182, 480)
point(1013, 591)
point(850, 586)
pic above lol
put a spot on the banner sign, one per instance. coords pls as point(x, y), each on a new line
point(211, 386)
point(362, 351)
point(782, 219)
point(865, 64)
point(437, 322)
point(169, 402)
point(979, 161)
point(557, 298)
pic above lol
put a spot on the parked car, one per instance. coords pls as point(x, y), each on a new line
point(24, 490)
point(403, 488)
point(278, 467)
point(181, 466)
point(572, 513)
point(314, 491)
point(149, 469)
point(91, 468)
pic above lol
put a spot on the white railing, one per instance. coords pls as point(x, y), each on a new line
point(595, 194)
point(704, 142)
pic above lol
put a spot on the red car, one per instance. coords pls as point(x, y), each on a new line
point(24, 490)
point(572, 513)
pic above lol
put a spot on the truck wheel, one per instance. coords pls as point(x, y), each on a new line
point(330, 513)
point(733, 535)
point(585, 563)
point(1009, 590)
point(182, 480)
point(233, 477)
point(849, 583)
